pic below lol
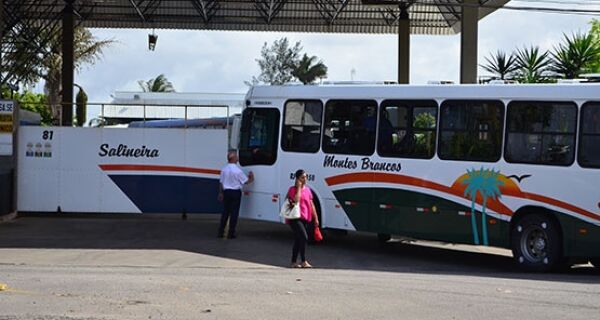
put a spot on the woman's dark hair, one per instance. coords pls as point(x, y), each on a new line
point(299, 173)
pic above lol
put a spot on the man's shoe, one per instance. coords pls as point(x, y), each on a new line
point(219, 235)
point(231, 236)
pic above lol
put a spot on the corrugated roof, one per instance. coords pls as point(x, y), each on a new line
point(327, 16)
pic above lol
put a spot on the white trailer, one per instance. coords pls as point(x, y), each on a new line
point(134, 170)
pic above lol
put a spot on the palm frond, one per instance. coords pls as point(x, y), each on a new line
point(575, 55)
point(501, 65)
point(309, 69)
point(532, 64)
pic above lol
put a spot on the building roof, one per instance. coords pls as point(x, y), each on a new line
point(172, 105)
point(325, 16)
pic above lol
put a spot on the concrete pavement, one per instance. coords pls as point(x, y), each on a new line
point(162, 267)
point(167, 240)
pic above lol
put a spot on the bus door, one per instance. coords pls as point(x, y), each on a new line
point(258, 153)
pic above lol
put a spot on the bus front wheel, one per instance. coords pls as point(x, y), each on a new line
point(536, 243)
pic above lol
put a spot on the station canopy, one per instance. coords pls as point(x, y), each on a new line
point(323, 16)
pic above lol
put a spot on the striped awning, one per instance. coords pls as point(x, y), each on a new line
point(325, 16)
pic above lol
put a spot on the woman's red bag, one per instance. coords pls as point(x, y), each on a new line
point(318, 236)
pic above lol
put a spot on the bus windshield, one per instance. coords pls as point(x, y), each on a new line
point(259, 136)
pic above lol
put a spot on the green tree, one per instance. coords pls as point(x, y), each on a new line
point(501, 65)
point(575, 55)
point(87, 50)
point(531, 64)
point(595, 32)
point(309, 69)
point(37, 56)
point(35, 102)
point(424, 120)
point(277, 62)
point(424, 141)
point(158, 84)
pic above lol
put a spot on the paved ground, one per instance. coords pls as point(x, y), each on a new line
point(161, 267)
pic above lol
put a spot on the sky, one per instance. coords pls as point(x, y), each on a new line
point(220, 61)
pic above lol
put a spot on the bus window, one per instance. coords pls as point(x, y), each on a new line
point(589, 153)
point(302, 126)
point(471, 130)
point(407, 129)
point(258, 136)
point(350, 127)
point(541, 132)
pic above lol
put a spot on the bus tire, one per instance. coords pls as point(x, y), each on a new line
point(384, 237)
point(595, 262)
point(536, 243)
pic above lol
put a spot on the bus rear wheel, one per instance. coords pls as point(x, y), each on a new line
point(595, 262)
point(536, 243)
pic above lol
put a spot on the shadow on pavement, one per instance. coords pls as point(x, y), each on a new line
point(260, 242)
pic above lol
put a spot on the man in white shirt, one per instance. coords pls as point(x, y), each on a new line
point(230, 192)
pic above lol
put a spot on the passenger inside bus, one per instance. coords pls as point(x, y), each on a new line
point(350, 127)
point(386, 133)
point(364, 129)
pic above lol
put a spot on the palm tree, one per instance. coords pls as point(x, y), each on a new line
point(486, 182)
point(309, 69)
point(158, 84)
point(501, 65)
point(575, 55)
point(532, 64)
point(87, 50)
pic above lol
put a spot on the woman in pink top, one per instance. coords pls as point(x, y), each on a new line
point(308, 213)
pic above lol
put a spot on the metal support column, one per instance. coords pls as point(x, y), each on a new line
point(2, 25)
point(67, 64)
point(468, 41)
point(404, 46)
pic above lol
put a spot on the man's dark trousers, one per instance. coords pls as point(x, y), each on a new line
point(231, 211)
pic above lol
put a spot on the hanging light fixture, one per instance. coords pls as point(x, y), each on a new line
point(152, 38)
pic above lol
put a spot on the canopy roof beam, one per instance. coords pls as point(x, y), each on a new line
point(143, 8)
point(206, 9)
point(269, 8)
point(137, 10)
point(331, 9)
point(25, 42)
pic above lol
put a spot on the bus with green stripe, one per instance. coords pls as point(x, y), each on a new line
point(511, 166)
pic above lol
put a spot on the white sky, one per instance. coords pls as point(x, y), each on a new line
point(214, 61)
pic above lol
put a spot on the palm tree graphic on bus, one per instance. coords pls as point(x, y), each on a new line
point(486, 183)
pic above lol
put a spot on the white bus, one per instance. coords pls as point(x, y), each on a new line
point(513, 166)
